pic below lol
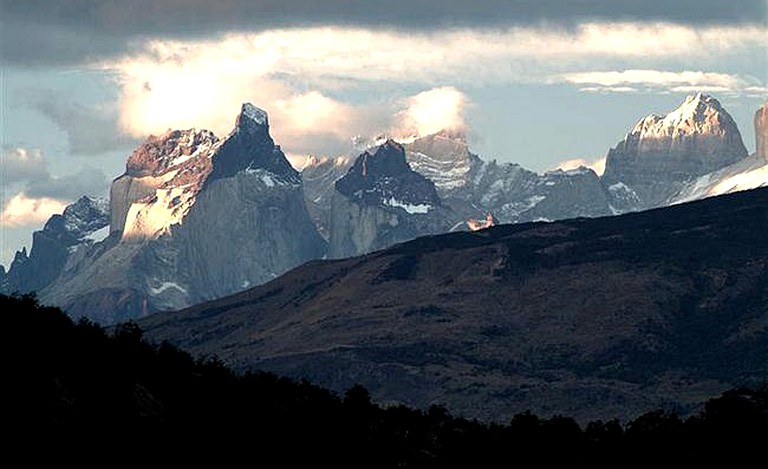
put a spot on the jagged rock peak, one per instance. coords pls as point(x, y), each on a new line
point(20, 256)
point(81, 218)
point(249, 147)
point(158, 154)
point(251, 117)
point(387, 159)
point(382, 175)
point(698, 114)
point(444, 158)
point(697, 138)
point(761, 131)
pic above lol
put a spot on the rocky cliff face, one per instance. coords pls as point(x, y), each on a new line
point(171, 166)
point(761, 132)
point(382, 201)
point(198, 218)
point(320, 176)
point(663, 151)
point(744, 174)
point(445, 159)
point(161, 181)
point(514, 194)
point(65, 241)
point(473, 188)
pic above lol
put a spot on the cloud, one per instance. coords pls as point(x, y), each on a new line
point(315, 54)
point(86, 181)
point(299, 74)
point(432, 111)
point(597, 165)
point(27, 170)
point(58, 31)
point(199, 88)
point(22, 165)
point(655, 80)
point(24, 211)
point(91, 130)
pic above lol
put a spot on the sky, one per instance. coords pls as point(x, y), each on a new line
point(541, 83)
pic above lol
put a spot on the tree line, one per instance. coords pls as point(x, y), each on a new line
point(78, 389)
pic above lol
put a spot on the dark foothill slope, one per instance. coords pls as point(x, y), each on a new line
point(595, 318)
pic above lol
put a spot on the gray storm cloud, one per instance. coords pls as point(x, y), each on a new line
point(90, 130)
point(26, 171)
point(42, 32)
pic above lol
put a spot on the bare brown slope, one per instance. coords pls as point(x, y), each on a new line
point(595, 318)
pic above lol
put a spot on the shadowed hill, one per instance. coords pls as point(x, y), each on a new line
point(593, 318)
point(76, 393)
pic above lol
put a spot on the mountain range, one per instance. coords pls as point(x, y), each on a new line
point(196, 217)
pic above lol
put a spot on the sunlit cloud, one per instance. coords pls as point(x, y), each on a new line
point(23, 211)
point(25, 170)
point(300, 75)
point(432, 111)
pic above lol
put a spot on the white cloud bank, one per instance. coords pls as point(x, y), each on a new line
point(303, 76)
point(659, 80)
point(22, 211)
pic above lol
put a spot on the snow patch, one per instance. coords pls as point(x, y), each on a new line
point(619, 187)
point(410, 208)
point(267, 178)
point(99, 235)
point(153, 218)
point(166, 286)
point(746, 174)
point(580, 171)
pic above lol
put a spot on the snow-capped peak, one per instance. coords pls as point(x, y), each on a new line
point(254, 114)
point(695, 107)
point(698, 114)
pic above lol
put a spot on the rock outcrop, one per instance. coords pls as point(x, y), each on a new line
point(195, 218)
point(761, 132)
point(320, 176)
point(62, 245)
point(171, 165)
point(445, 159)
point(663, 151)
point(382, 201)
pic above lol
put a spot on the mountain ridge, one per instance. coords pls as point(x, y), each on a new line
point(178, 215)
point(429, 185)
